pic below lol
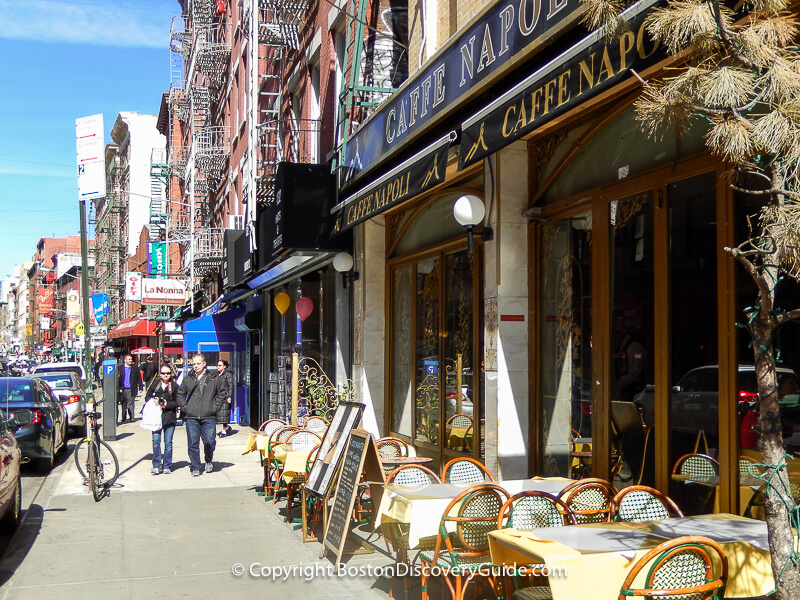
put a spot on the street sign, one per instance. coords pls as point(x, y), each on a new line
point(89, 143)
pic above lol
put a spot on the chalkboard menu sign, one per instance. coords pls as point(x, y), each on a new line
point(361, 454)
point(324, 468)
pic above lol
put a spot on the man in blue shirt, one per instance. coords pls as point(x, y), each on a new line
point(130, 384)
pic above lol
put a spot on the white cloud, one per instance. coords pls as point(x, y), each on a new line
point(83, 24)
point(37, 172)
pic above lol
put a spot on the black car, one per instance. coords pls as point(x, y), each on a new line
point(47, 434)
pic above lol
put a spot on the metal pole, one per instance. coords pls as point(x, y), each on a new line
point(87, 323)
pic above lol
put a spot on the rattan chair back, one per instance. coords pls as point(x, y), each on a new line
point(698, 466)
point(412, 476)
point(464, 471)
point(390, 447)
point(680, 568)
point(459, 420)
point(271, 425)
point(303, 439)
point(641, 503)
point(530, 510)
point(316, 424)
point(589, 499)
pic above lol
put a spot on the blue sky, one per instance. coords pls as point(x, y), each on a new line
point(62, 60)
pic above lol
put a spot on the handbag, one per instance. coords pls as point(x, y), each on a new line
point(151, 416)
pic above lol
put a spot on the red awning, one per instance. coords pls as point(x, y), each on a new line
point(133, 327)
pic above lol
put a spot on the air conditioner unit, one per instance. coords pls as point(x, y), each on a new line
point(236, 222)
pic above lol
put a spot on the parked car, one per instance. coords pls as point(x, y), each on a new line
point(72, 393)
point(694, 400)
point(74, 367)
point(46, 435)
point(10, 460)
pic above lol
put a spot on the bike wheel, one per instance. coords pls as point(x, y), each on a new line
point(95, 471)
point(107, 462)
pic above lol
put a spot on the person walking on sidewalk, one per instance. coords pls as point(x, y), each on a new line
point(165, 393)
point(224, 413)
point(200, 396)
point(130, 384)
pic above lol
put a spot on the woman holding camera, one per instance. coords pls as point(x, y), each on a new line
point(165, 394)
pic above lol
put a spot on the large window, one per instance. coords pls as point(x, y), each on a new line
point(434, 321)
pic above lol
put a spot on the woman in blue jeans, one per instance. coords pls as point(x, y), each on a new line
point(165, 394)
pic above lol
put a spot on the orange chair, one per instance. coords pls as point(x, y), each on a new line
point(465, 470)
point(589, 499)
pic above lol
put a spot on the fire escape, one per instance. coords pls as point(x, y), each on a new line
point(375, 64)
point(110, 246)
point(200, 49)
point(279, 138)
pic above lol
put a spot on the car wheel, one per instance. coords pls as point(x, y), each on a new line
point(12, 518)
point(45, 465)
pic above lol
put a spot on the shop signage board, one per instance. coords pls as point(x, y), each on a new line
point(360, 455)
point(346, 417)
point(133, 286)
point(419, 173)
point(157, 258)
point(483, 53)
point(171, 292)
point(587, 69)
point(44, 300)
point(89, 143)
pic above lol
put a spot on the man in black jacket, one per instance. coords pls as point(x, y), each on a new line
point(130, 384)
point(200, 396)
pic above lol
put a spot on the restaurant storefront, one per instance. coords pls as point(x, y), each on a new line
point(604, 308)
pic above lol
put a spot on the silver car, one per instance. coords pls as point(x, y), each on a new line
point(71, 392)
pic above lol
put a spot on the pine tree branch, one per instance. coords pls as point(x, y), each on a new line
point(771, 192)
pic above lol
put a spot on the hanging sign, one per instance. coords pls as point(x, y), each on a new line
point(133, 286)
point(90, 146)
point(73, 303)
point(587, 69)
point(419, 173)
point(157, 258)
point(44, 301)
point(163, 291)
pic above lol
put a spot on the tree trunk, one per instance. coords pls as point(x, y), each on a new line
point(770, 443)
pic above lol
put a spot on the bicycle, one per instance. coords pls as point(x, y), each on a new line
point(94, 458)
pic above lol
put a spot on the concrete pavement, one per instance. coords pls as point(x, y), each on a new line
point(170, 535)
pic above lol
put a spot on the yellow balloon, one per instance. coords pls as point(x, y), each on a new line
point(282, 302)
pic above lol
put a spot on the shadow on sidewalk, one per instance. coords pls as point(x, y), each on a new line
point(22, 542)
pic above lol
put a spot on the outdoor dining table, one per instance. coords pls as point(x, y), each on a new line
point(293, 461)
point(421, 507)
point(596, 557)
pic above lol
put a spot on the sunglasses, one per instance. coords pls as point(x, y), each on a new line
point(166, 373)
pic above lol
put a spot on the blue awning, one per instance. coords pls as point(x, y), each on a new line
point(228, 298)
point(214, 333)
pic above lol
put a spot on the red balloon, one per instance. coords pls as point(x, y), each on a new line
point(304, 308)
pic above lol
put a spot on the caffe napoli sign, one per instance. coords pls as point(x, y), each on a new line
point(484, 52)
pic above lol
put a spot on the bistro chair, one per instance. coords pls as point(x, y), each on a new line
point(530, 510)
point(390, 447)
point(638, 503)
point(316, 424)
point(408, 476)
point(302, 439)
point(276, 438)
point(589, 499)
point(294, 486)
point(465, 470)
point(699, 467)
point(748, 468)
point(459, 420)
point(462, 543)
point(267, 428)
point(682, 567)
point(468, 438)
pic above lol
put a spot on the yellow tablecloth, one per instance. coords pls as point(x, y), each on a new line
point(294, 462)
point(257, 440)
point(421, 508)
point(455, 437)
point(599, 575)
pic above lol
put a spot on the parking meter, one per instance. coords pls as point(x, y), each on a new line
point(110, 400)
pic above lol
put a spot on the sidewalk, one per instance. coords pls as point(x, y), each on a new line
point(169, 535)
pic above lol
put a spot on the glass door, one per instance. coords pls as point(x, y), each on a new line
point(566, 359)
